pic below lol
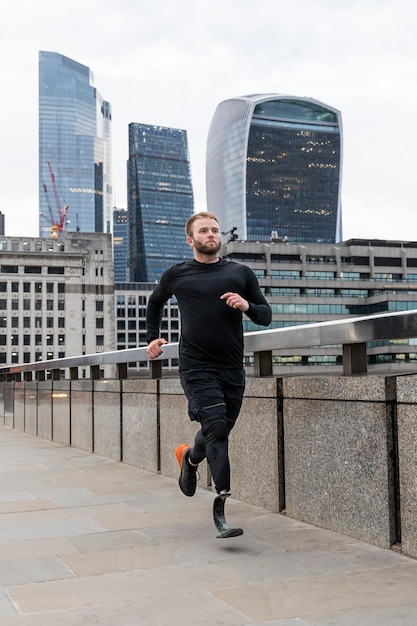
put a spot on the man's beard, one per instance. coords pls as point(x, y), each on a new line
point(206, 249)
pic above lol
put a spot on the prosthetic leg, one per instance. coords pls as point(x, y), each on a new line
point(219, 518)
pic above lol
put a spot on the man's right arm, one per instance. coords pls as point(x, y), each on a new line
point(156, 303)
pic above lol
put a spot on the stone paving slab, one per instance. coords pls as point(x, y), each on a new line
point(85, 540)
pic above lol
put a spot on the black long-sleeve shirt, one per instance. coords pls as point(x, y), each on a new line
point(211, 331)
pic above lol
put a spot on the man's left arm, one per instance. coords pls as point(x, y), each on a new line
point(259, 311)
point(252, 302)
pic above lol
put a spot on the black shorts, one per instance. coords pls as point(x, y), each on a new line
point(214, 391)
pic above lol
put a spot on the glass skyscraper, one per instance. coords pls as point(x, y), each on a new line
point(160, 200)
point(120, 239)
point(274, 168)
point(74, 147)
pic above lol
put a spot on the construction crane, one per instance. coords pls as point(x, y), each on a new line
point(58, 223)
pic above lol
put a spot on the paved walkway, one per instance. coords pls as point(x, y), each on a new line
point(85, 540)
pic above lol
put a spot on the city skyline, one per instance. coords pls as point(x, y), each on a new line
point(360, 56)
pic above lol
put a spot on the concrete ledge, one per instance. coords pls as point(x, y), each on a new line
point(61, 410)
point(31, 408)
point(140, 424)
point(107, 431)
point(407, 454)
point(82, 414)
point(337, 456)
point(45, 409)
point(19, 406)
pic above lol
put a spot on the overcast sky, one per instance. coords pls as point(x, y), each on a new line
point(170, 62)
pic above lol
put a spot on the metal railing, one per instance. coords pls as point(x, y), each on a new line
point(352, 334)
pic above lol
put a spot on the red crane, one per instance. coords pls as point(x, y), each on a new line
point(59, 223)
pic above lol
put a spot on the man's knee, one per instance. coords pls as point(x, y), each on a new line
point(215, 427)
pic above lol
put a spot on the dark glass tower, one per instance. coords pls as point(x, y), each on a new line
point(160, 200)
point(274, 168)
point(120, 238)
point(75, 144)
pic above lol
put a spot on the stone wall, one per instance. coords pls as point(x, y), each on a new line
point(336, 452)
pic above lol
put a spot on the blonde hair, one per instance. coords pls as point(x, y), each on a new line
point(197, 216)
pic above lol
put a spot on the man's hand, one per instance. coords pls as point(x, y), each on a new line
point(235, 301)
point(154, 348)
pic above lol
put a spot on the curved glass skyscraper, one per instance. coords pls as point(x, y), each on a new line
point(75, 138)
point(274, 168)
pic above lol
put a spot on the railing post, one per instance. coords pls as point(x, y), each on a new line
point(355, 359)
point(263, 363)
point(121, 371)
point(155, 369)
point(95, 372)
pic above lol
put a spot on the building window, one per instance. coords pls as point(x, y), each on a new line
point(26, 322)
point(49, 287)
point(33, 269)
point(61, 305)
point(3, 303)
point(99, 340)
point(2, 340)
point(9, 269)
point(15, 322)
point(3, 287)
point(99, 305)
point(15, 287)
point(61, 287)
point(26, 340)
point(99, 322)
point(56, 270)
point(61, 322)
point(49, 322)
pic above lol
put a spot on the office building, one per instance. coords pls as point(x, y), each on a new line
point(56, 297)
point(131, 300)
point(160, 200)
point(120, 245)
point(274, 169)
point(308, 283)
point(74, 149)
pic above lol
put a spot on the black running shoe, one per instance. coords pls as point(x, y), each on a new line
point(188, 475)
